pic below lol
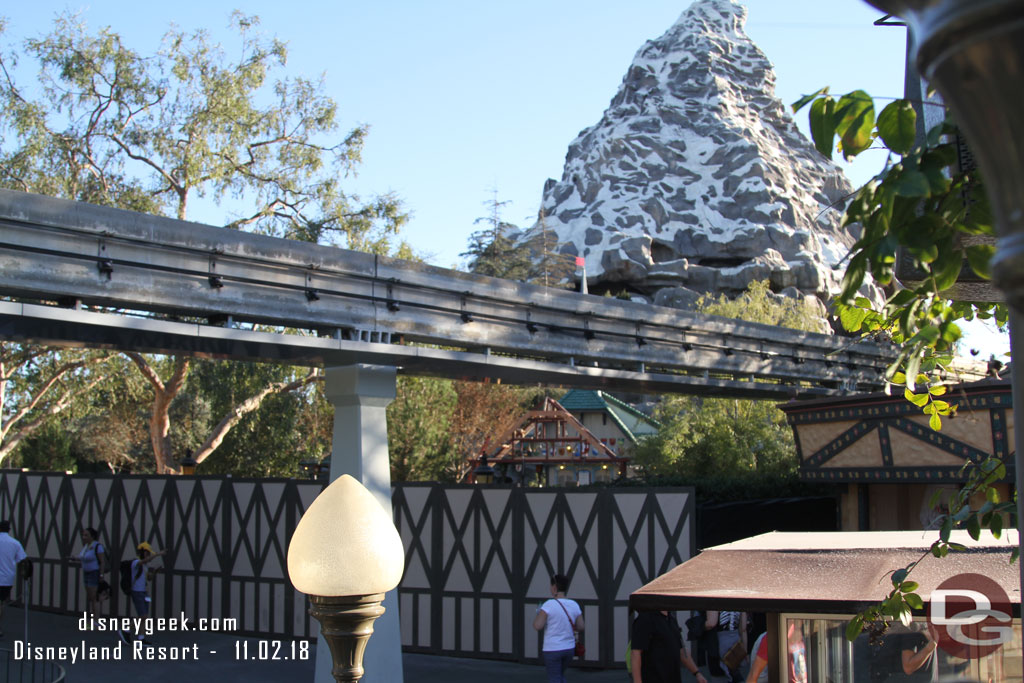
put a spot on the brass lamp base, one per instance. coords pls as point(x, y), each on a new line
point(346, 623)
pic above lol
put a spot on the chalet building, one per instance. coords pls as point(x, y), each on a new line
point(888, 463)
point(583, 438)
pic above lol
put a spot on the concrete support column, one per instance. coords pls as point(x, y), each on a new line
point(360, 394)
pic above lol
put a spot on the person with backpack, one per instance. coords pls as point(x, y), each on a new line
point(560, 619)
point(93, 558)
point(138, 575)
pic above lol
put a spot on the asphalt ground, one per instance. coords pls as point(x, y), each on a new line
point(220, 658)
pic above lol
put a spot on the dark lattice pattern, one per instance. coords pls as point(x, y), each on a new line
point(478, 562)
point(478, 559)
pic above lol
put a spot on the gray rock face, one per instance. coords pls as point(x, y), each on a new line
point(696, 178)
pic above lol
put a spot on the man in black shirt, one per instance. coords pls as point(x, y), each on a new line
point(658, 650)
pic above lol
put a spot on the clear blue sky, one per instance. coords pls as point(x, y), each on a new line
point(465, 97)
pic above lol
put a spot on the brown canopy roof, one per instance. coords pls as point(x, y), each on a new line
point(822, 572)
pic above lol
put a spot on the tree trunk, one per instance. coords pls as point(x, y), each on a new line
point(160, 418)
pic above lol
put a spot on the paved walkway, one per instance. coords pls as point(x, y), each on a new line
point(219, 658)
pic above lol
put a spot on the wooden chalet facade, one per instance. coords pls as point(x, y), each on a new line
point(886, 459)
point(585, 437)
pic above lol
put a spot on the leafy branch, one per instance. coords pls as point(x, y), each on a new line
point(903, 600)
point(921, 206)
point(926, 206)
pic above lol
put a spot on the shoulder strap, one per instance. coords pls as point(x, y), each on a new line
point(572, 626)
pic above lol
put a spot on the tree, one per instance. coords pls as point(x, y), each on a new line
point(109, 126)
point(420, 429)
point(704, 438)
point(151, 133)
point(924, 203)
point(492, 251)
point(37, 383)
point(482, 411)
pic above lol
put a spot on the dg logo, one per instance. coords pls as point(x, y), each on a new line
point(971, 616)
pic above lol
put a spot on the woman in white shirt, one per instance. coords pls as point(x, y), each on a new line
point(94, 562)
point(560, 619)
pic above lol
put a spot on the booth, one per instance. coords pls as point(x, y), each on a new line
point(811, 584)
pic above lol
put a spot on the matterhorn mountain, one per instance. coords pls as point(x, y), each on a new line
point(696, 178)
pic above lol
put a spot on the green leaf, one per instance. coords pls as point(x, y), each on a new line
point(912, 183)
point(974, 527)
point(996, 525)
point(992, 495)
point(899, 576)
point(802, 102)
point(823, 124)
point(935, 422)
point(852, 318)
point(937, 390)
point(914, 600)
point(854, 628)
point(909, 586)
point(913, 363)
point(897, 126)
point(946, 269)
point(918, 400)
point(946, 529)
point(980, 258)
point(854, 122)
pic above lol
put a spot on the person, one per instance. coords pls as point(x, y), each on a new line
point(12, 554)
point(903, 655)
point(759, 666)
point(560, 619)
point(796, 660)
point(140, 578)
point(731, 627)
point(93, 558)
point(657, 650)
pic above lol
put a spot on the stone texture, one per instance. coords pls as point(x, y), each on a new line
point(696, 176)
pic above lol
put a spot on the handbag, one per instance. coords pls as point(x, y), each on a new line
point(735, 655)
point(580, 648)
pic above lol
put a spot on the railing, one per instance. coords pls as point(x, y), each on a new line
point(28, 671)
point(354, 307)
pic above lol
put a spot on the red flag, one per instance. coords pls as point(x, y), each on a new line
point(580, 261)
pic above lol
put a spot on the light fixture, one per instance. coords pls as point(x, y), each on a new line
point(484, 473)
point(188, 464)
point(308, 467)
point(345, 555)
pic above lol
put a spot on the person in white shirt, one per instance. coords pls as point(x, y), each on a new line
point(560, 619)
point(93, 559)
point(11, 555)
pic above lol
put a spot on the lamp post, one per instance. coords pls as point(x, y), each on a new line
point(484, 473)
point(188, 464)
point(345, 554)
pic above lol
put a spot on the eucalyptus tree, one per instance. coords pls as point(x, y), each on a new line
point(105, 124)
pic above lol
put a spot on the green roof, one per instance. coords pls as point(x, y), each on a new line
point(583, 400)
point(629, 420)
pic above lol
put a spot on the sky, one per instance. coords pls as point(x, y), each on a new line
point(471, 101)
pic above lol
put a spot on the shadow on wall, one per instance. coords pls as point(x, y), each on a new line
point(719, 523)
